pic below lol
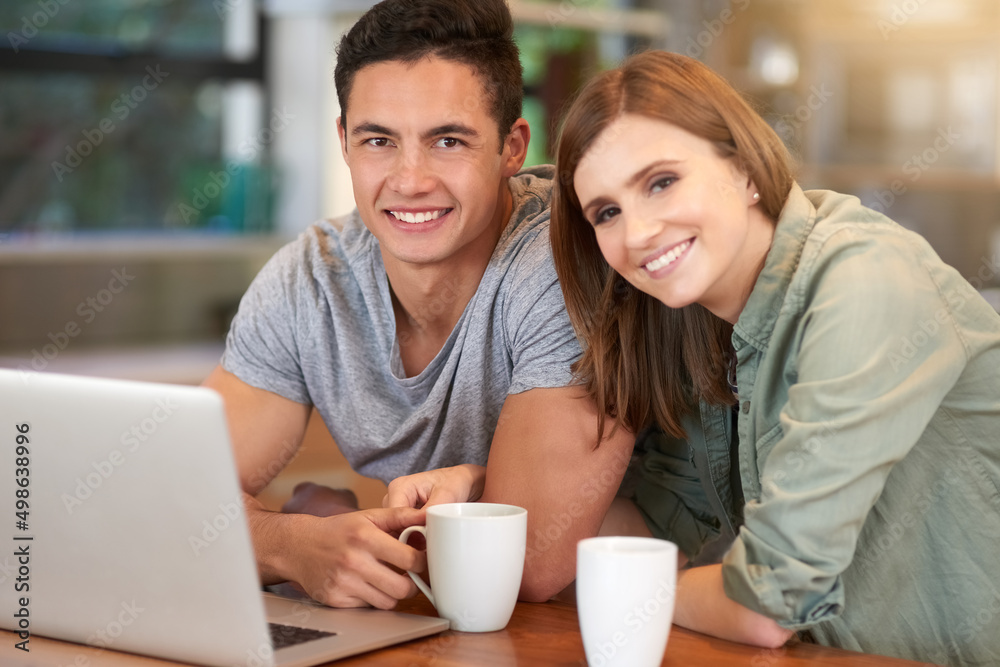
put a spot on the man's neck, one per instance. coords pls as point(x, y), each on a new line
point(429, 299)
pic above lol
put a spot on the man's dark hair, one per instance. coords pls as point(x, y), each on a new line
point(477, 33)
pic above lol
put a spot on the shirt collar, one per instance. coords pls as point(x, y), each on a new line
point(796, 221)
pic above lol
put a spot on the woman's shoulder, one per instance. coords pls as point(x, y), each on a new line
point(843, 229)
point(843, 218)
point(861, 259)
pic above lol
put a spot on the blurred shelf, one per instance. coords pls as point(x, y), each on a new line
point(935, 179)
point(174, 364)
point(30, 249)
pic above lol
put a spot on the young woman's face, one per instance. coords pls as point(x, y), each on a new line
point(672, 216)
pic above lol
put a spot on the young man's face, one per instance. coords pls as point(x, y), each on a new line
point(426, 161)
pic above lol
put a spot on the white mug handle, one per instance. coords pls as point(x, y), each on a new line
point(421, 584)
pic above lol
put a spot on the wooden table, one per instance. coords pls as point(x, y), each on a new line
point(546, 635)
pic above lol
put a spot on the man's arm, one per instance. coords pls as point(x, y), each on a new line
point(341, 560)
point(545, 458)
point(266, 429)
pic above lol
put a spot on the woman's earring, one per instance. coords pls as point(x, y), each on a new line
point(756, 196)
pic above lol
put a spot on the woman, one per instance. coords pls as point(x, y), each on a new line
point(828, 390)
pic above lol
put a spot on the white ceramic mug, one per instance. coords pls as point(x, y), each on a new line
point(625, 599)
point(475, 558)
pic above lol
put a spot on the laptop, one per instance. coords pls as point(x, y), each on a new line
point(121, 499)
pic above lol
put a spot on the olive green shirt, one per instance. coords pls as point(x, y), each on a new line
point(868, 375)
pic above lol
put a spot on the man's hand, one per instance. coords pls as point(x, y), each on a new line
point(458, 484)
point(347, 560)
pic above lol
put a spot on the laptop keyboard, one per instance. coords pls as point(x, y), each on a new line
point(291, 635)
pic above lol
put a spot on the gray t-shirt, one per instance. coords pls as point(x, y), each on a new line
point(317, 327)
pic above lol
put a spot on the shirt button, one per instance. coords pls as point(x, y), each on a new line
point(746, 407)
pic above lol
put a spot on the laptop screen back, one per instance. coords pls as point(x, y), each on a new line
point(132, 528)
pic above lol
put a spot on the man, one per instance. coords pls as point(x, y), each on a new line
point(427, 327)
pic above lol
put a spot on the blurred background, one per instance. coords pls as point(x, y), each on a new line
point(155, 153)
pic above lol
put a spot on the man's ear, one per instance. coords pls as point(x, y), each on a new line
point(342, 133)
point(515, 148)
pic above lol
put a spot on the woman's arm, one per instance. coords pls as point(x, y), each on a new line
point(701, 602)
point(623, 518)
point(703, 605)
point(832, 412)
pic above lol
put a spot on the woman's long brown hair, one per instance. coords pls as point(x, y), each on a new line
point(643, 362)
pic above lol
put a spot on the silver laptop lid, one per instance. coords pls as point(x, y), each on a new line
point(131, 530)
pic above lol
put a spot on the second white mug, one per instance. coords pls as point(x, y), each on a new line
point(475, 559)
point(625, 599)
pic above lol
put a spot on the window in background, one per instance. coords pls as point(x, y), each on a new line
point(562, 45)
point(556, 62)
point(892, 102)
point(145, 116)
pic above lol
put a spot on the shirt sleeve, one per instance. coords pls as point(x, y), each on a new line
point(877, 350)
point(261, 347)
point(670, 495)
point(541, 338)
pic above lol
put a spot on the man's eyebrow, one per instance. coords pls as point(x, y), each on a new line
point(372, 128)
point(452, 128)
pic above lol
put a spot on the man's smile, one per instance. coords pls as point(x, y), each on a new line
point(419, 216)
